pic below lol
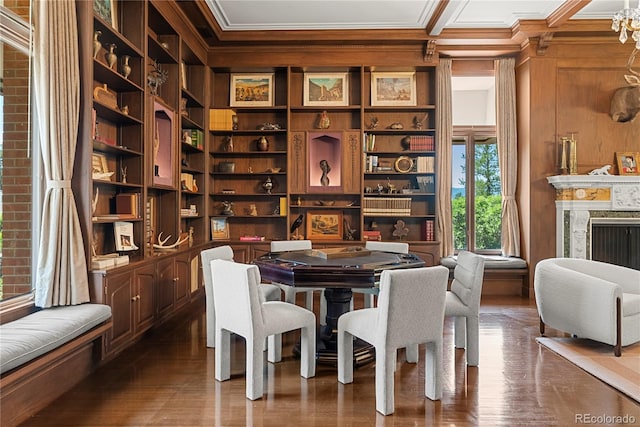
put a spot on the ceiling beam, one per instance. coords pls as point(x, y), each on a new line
point(565, 12)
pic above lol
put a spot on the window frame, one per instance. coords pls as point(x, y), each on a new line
point(469, 134)
point(16, 32)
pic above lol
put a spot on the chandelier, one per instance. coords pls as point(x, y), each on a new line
point(625, 20)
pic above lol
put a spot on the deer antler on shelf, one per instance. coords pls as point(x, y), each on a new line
point(634, 78)
point(162, 241)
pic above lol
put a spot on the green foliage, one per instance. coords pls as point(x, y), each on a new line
point(488, 222)
point(487, 169)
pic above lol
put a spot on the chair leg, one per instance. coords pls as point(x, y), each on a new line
point(309, 300)
point(345, 357)
point(473, 341)
point(541, 327)
point(460, 331)
point(211, 323)
point(274, 348)
point(323, 309)
point(412, 353)
point(385, 403)
point(617, 349)
point(308, 351)
point(433, 370)
point(254, 375)
point(223, 355)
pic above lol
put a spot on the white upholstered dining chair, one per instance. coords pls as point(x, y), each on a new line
point(374, 245)
point(291, 291)
point(269, 292)
point(410, 311)
point(240, 309)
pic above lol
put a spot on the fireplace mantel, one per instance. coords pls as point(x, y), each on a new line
point(579, 198)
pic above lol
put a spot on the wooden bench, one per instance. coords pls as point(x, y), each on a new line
point(502, 275)
point(44, 354)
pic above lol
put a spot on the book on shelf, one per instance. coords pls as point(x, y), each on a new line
point(429, 230)
point(421, 143)
point(386, 206)
point(221, 118)
point(123, 233)
point(252, 238)
point(197, 138)
point(426, 184)
point(102, 262)
point(128, 204)
point(371, 235)
point(283, 206)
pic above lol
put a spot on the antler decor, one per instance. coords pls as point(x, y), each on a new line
point(162, 241)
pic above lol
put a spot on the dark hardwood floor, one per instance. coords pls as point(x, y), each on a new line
point(167, 379)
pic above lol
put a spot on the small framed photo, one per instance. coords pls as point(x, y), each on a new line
point(628, 163)
point(251, 90)
point(219, 228)
point(324, 225)
point(106, 9)
point(99, 163)
point(393, 89)
point(326, 89)
point(123, 233)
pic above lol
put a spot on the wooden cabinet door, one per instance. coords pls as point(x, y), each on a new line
point(144, 298)
point(182, 284)
point(119, 296)
point(165, 286)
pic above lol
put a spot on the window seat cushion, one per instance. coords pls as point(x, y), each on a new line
point(491, 262)
point(32, 336)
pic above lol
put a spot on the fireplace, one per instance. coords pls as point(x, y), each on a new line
point(598, 217)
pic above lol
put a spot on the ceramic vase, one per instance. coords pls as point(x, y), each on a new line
point(263, 144)
point(126, 68)
point(96, 43)
point(110, 56)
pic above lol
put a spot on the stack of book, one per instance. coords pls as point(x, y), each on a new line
point(426, 184)
point(425, 164)
point(371, 235)
point(421, 143)
point(128, 205)
point(387, 206)
point(197, 138)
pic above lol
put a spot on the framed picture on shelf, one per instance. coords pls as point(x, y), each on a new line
point(106, 9)
point(251, 90)
point(393, 89)
point(627, 163)
point(123, 232)
point(324, 225)
point(219, 229)
point(326, 89)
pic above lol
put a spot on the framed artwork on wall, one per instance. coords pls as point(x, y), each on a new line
point(251, 90)
point(106, 9)
point(627, 163)
point(321, 89)
point(219, 229)
point(324, 225)
point(393, 89)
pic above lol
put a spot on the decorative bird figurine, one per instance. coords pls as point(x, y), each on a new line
point(296, 224)
point(323, 121)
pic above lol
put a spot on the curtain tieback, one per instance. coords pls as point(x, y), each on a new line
point(508, 198)
point(59, 183)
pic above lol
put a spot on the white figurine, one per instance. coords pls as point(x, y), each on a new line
point(604, 170)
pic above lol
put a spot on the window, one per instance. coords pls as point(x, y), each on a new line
point(475, 194)
point(17, 165)
point(475, 182)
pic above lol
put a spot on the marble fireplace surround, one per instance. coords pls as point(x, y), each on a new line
point(583, 200)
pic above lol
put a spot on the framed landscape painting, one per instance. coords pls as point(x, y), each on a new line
point(393, 89)
point(324, 225)
point(106, 9)
point(251, 90)
point(219, 229)
point(326, 89)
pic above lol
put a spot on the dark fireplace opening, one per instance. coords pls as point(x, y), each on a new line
point(616, 244)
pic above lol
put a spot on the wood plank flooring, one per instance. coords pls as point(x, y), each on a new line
point(167, 379)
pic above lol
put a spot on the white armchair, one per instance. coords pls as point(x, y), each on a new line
point(589, 299)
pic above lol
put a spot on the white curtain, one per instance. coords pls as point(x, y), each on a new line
point(506, 132)
point(62, 270)
point(444, 136)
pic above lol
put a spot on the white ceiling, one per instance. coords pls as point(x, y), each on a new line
point(252, 15)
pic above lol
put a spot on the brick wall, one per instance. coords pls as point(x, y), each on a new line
point(16, 170)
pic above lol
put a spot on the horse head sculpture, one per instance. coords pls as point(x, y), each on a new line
point(625, 104)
